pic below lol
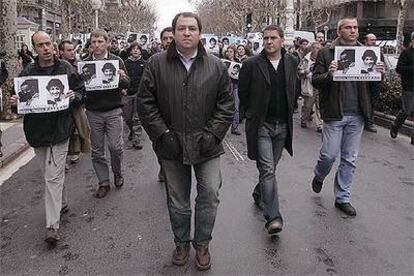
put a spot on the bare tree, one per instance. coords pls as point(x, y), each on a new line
point(8, 28)
point(316, 12)
point(403, 6)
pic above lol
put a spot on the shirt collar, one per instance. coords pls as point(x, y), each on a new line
point(188, 59)
point(105, 57)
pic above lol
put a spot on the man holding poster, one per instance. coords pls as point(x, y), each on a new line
point(104, 113)
point(48, 133)
point(343, 107)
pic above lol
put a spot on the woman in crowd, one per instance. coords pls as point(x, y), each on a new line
point(230, 54)
point(25, 56)
point(241, 53)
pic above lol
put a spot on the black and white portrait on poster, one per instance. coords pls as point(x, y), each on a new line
point(210, 43)
point(99, 74)
point(41, 94)
point(357, 63)
point(233, 68)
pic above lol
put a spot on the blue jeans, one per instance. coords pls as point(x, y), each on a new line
point(340, 137)
point(270, 142)
point(178, 186)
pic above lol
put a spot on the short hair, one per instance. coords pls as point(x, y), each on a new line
point(109, 66)
point(132, 46)
point(342, 22)
point(166, 30)
point(57, 83)
point(370, 53)
point(303, 40)
point(98, 33)
point(186, 14)
point(35, 33)
point(237, 66)
point(274, 28)
point(213, 39)
point(225, 38)
point(61, 46)
point(143, 36)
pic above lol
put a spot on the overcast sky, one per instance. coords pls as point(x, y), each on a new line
point(167, 9)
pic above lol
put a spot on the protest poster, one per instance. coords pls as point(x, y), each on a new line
point(257, 46)
point(142, 39)
point(210, 43)
point(356, 63)
point(233, 68)
point(99, 74)
point(41, 94)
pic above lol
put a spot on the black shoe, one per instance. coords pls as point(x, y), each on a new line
point(393, 132)
point(303, 125)
point(52, 236)
point(118, 181)
point(370, 128)
point(319, 129)
point(64, 210)
point(102, 191)
point(137, 146)
point(274, 227)
point(316, 185)
point(346, 208)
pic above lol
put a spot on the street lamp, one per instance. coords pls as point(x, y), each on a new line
point(326, 29)
point(96, 5)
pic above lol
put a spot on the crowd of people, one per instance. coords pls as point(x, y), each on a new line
point(185, 100)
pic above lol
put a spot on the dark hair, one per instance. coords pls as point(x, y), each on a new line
point(237, 66)
point(370, 53)
point(143, 36)
point(132, 46)
point(212, 39)
point(168, 29)
point(109, 66)
point(225, 38)
point(61, 46)
point(186, 14)
point(303, 40)
point(57, 83)
point(274, 28)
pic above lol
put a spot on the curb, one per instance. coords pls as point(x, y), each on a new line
point(14, 155)
point(386, 121)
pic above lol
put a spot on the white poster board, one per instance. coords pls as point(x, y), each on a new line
point(41, 94)
point(233, 68)
point(357, 63)
point(141, 38)
point(99, 74)
point(210, 43)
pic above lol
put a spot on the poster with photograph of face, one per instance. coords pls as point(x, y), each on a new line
point(357, 63)
point(99, 74)
point(257, 46)
point(142, 39)
point(210, 43)
point(233, 68)
point(41, 94)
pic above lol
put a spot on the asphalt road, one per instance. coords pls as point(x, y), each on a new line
point(128, 232)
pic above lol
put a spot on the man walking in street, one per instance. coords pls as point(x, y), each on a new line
point(344, 106)
point(166, 36)
point(186, 107)
point(48, 133)
point(267, 94)
point(405, 67)
point(373, 88)
point(104, 111)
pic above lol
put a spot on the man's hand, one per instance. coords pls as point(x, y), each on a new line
point(122, 74)
point(123, 92)
point(333, 66)
point(71, 95)
point(13, 100)
point(380, 67)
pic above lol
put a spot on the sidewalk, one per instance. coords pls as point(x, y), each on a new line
point(13, 140)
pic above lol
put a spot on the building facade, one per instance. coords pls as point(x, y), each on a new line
point(374, 16)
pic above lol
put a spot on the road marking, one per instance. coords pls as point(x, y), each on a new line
point(233, 150)
point(15, 165)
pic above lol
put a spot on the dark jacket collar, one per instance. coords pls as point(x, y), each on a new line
point(56, 62)
point(337, 42)
point(173, 54)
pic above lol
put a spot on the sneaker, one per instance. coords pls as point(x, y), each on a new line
point(370, 128)
point(393, 132)
point(316, 185)
point(180, 255)
point(346, 207)
point(52, 235)
point(202, 259)
point(102, 191)
point(274, 227)
point(118, 181)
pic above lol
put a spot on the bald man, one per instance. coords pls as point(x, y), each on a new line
point(49, 133)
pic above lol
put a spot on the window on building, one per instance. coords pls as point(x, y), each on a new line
point(19, 41)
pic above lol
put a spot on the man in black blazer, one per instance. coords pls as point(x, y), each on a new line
point(267, 94)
